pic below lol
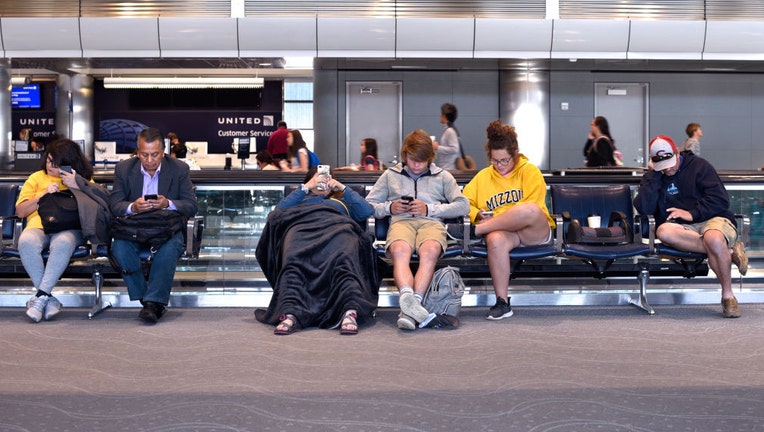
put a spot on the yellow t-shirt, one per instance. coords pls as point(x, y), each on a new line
point(36, 185)
point(489, 190)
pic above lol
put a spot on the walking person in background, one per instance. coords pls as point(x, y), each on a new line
point(277, 142)
point(694, 134)
point(600, 146)
point(447, 148)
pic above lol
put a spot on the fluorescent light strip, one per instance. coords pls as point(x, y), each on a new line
point(181, 82)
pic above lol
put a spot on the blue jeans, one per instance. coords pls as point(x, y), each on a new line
point(163, 263)
point(33, 241)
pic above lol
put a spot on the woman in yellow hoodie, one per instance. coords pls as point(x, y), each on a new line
point(508, 208)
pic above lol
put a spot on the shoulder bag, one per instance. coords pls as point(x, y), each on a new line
point(464, 162)
point(152, 228)
point(58, 212)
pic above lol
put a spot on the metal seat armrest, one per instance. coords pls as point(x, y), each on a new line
point(13, 219)
point(466, 225)
point(639, 220)
point(743, 227)
point(371, 226)
point(558, 234)
point(18, 226)
point(194, 233)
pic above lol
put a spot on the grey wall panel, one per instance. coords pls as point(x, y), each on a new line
point(568, 128)
point(327, 119)
point(423, 94)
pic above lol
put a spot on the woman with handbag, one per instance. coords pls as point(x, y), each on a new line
point(448, 147)
point(62, 162)
point(600, 149)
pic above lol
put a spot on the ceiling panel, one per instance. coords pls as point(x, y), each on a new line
point(256, 36)
point(667, 39)
point(41, 37)
point(435, 37)
point(515, 38)
point(198, 37)
point(594, 39)
point(120, 37)
point(356, 37)
point(734, 40)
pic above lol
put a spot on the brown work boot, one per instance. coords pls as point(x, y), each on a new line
point(729, 308)
point(739, 258)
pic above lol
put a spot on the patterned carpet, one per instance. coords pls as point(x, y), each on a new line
point(545, 369)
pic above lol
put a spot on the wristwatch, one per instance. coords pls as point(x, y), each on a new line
point(304, 188)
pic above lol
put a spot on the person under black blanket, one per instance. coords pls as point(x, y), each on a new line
point(318, 259)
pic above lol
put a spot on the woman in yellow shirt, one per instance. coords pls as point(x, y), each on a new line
point(33, 240)
point(508, 208)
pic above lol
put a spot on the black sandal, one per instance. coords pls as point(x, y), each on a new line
point(288, 324)
point(349, 324)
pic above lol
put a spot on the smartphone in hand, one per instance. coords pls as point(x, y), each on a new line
point(66, 168)
point(323, 177)
point(407, 199)
point(149, 197)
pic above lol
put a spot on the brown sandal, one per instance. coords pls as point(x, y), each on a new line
point(288, 324)
point(349, 324)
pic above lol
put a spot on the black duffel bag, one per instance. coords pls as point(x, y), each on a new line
point(58, 212)
point(152, 228)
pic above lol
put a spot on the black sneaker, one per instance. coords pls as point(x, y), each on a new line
point(442, 322)
point(500, 310)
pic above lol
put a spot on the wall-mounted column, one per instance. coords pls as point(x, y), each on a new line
point(74, 116)
point(524, 103)
point(6, 150)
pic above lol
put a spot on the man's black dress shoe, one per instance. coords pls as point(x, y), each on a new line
point(152, 312)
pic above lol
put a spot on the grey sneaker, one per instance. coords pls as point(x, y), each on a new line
point(405, 322)
point(500, 310)
point(52, 308)
point(411, 306)
point(36, 307)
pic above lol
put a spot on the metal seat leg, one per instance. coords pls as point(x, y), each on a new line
point(641, 301)
point(98, 304)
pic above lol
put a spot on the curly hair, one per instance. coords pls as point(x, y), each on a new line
point(501, 137)
point(67, 152)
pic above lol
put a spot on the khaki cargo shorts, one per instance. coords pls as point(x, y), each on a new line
point(716, 223)
point(416, 231)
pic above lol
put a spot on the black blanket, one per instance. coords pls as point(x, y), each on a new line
point(320, 263)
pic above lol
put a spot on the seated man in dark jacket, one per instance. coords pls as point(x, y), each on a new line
point(142, 183)
point(691, 208)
